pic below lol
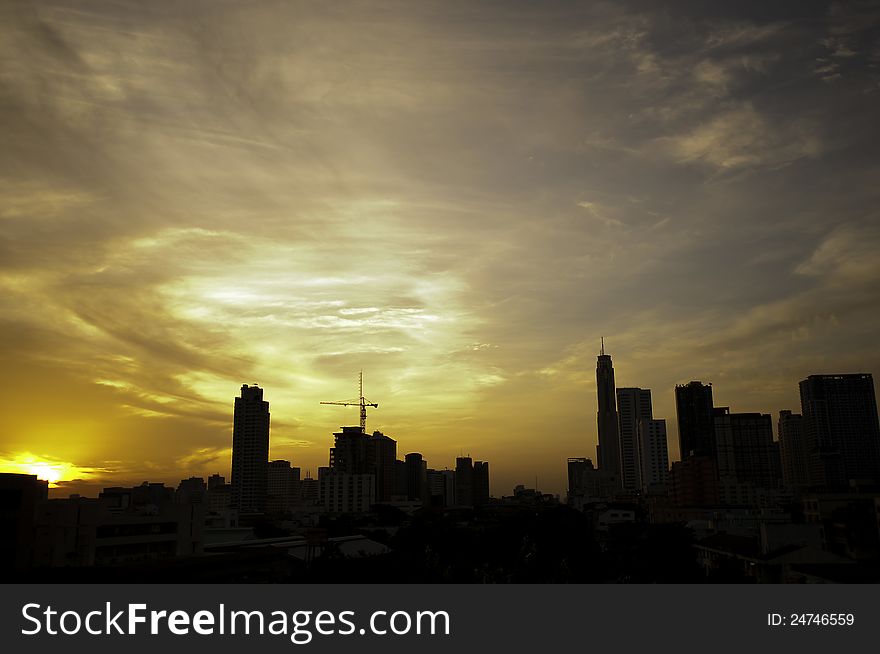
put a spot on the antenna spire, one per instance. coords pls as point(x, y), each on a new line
point(602, 345)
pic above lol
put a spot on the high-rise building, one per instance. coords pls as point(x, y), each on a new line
point(694, 481)
point(841, 429)
point(283, 486)
point(633, 407)
point(348, 485)
point(792, 451)
point(416, 477)
point(381, 455)
point(250, 450)
point(696, 426)
point(586, 484)
point(441, 488)
point(464, 481)
point(746, 453)
point(653, 456)
point(481, 483)
point(608, 448)
point(349, 451)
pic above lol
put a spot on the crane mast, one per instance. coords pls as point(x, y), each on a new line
point(362, 402)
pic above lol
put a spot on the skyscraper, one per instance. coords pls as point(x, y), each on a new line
point(283, 486)
point(381, 455)
point(653, 455)
point(841, 430)
point(633, 407)
point(608, 449)
point(250, 450)
point(464, 481)
point(746, 453)
point(792, 451)
point(481, 483)
point(416, 477)
point(696, 426)
point(349, 451)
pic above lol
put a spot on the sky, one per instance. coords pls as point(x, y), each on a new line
point(457, 198)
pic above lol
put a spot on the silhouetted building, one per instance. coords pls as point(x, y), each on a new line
point(250, 451)
point(20, 496)
point(587, 485)
point(416, 477)
point(345, 492)
point(441, 488)
point(633, 406)
point(381, 455)
point(608, 448)
point(283, 486)
point(694, 481)
point(745, 449)
point(793, 451)
point(349, 484)
point(696, 426)
point(653, 456)
point(481, 483)
point(841, 429)
point(310, 491)
point(216, 481)
point(464, 481)
point(400, 480)
point(192, 490)
point(349, 452)
point(124, 525)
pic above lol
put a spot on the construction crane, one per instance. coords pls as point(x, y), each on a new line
point(361, 402)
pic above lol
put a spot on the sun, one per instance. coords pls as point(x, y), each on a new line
point(44, 467)
point(52, 473)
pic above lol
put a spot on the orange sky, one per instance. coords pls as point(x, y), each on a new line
point(458, 198)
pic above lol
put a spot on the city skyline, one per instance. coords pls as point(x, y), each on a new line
point(458, 200)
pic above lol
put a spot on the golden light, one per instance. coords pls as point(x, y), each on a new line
point(47, 468)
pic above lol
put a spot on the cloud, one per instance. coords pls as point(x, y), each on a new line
point(458, 199)
point(743, 138)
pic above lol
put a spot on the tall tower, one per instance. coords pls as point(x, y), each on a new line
point(250, 451)
point(792, 451)
point(696, 422)
point(608, 449)
point(841, 430)
point(633, 407)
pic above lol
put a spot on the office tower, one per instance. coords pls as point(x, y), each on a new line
point(608, 449)
point(481, 483)
point(216, 481)
point(349, 451)
point(841, 430)
point(745, 449)
point(653, 455)
point(694, 481)
point(20, 497)
point(348, 485)
point(464, 481)
point(345, 492)
point(192, 491)
point(310, 492)
point(441, 488)
point(416, 477)
point(792, 451)
point(381, 455)
point(696, 426)
point(400, 479)
point(250, 450)
point(586, 484)
point(283, 486)
point(633, 407)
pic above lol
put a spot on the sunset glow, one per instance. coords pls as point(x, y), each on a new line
point(457, 198)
